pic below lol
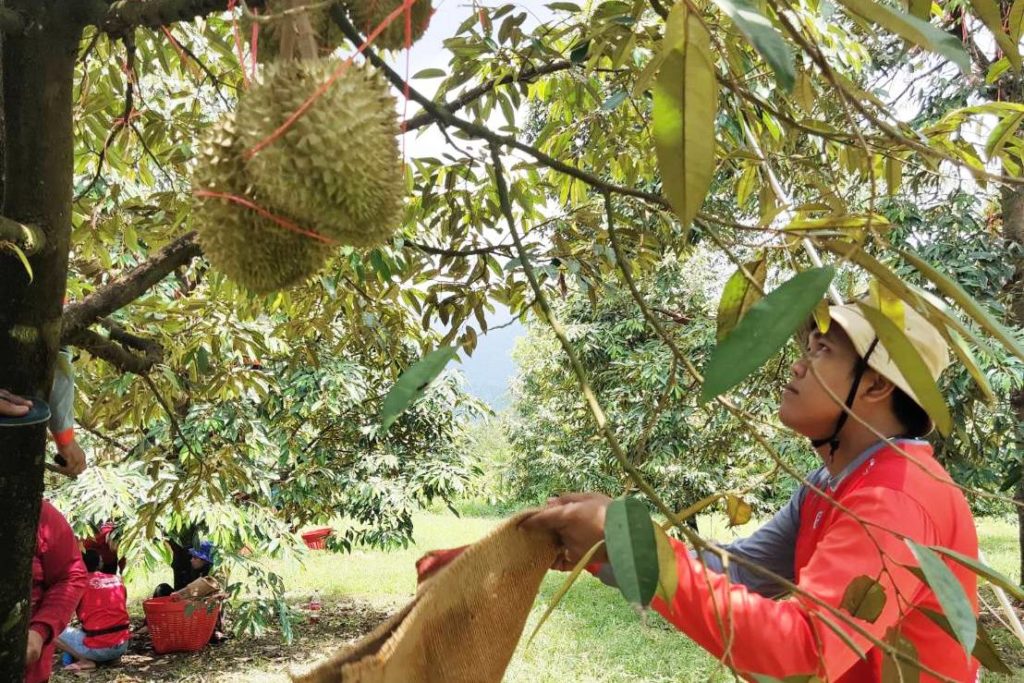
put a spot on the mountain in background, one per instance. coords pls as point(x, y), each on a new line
point(490, 368)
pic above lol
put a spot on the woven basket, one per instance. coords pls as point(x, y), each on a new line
point(316, 539)
point(180, 625)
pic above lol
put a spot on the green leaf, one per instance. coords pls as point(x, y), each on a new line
point(988, 12)
point(685, 106)
point(893, 174)
point(1001, 133)
point(922, 9)
point(1015, 20)
point(614, 100)
point(739, 295)
point(984, 571)
point(950, 593)
point(864, 598)
point(739, 510)
point(430, 73)
point(413, 383)
point(911, 28)
point(954, 291)
point(797, 678)
point(764, 330)
point(985, 651)
point(668, 573)
point(632, 549)
point(564, 588)
point(765, 38)
point(911, 366)
point(899, 670)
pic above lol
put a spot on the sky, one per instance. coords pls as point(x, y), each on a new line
point(490, 368)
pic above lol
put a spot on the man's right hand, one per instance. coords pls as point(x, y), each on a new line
point(12, 405)
point(34, 647)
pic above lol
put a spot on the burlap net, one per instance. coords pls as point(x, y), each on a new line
point(464, 623)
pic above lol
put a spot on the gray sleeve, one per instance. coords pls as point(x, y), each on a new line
point(62, 396)
point(772, 546)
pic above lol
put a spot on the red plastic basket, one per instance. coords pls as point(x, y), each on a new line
point(180, 625)
point(317, 538)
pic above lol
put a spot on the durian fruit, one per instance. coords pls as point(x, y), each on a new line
point(251, 249)
point(294, 29)
point(369, 14)
point(337, 167)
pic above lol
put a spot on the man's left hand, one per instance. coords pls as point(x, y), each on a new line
point(578, 520)
point(74, 459)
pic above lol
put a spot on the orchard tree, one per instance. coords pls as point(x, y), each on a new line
point(770, 130)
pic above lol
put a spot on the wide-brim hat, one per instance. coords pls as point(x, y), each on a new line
point(925, 338)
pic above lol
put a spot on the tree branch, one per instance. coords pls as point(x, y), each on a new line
point(129, 286)
point(29, 238)
point(476, 251)
point(119, 349)
point(527, 75)
point(442, 116)
point(124, 15)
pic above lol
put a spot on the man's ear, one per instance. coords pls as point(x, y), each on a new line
point(877, 388)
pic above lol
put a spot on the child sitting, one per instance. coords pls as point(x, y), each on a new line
point(103, 611)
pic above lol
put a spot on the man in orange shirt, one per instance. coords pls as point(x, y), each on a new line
point(851, 518)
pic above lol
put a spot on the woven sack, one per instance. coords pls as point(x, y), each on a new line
point(464, 622)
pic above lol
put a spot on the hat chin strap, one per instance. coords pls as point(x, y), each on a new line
point(833, 439)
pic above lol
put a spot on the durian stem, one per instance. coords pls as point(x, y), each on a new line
point(29, 238)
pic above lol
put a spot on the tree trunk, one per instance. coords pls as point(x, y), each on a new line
point(1013, 231)
point(38, 71)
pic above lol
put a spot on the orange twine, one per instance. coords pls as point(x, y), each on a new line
point(283, 222)
point(405, 7)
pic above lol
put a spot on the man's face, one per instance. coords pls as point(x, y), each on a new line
point(197, 563)
point(806, 407)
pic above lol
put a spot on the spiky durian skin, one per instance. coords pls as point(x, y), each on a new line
point(337, 167)
point(251, 249)
point(268, 37)
point(369, 14)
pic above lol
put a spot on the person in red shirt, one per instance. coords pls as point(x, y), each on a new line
point(851, 518)
point(103, 613)
point(58, 580)
point(104, 543)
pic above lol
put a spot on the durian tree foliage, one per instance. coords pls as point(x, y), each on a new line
point(748, 126)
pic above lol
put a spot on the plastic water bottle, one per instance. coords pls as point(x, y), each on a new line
point(314, 607)
point(66, 659)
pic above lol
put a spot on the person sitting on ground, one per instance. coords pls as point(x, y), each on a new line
point(188, 564)
point(58, 580)
point(103, 613)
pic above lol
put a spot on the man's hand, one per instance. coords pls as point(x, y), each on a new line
point(578, 520)
point(74, 459)
point(12, 405)
point(34, 647)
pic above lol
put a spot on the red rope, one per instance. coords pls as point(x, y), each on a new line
point(318, 93)
point(283, 222)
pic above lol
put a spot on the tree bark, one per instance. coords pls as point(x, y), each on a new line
point(38, 71)
point(1013, 231)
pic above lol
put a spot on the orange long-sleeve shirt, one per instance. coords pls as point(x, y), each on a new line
point(889, 498)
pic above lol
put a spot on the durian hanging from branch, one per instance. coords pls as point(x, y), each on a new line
point(304, 29)
point(337, 167)
point(310, 159)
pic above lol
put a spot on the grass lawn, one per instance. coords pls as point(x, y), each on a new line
point(592, 636)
